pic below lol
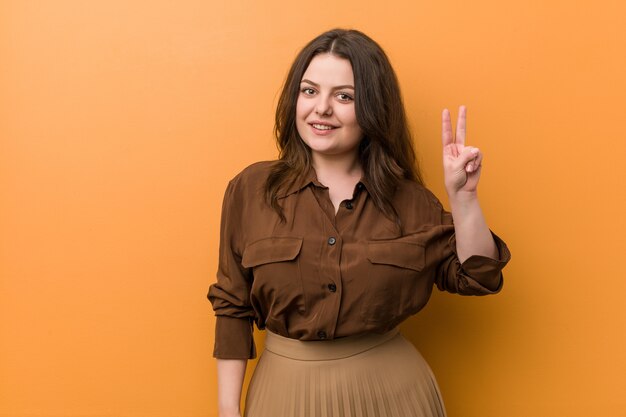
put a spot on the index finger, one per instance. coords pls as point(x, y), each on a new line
point(446, 128)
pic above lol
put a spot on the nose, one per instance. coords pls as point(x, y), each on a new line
point(323, 106)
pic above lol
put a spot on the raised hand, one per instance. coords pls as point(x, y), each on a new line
point(461, 164)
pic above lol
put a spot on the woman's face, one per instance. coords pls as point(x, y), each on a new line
point(325, 114)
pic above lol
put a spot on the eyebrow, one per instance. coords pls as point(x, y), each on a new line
point(339, 87)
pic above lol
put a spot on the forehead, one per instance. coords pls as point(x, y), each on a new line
point(327, 69)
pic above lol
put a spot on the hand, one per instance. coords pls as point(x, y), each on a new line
point(461, 164)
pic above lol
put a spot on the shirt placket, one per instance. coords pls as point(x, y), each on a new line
point(332, 285)
point(329, 267)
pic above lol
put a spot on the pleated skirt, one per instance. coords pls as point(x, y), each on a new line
point(372, 375)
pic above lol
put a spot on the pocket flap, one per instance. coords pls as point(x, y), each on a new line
point(271, 249)
point(402, 254)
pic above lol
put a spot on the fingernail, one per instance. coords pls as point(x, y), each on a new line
point(468, 168)
point(475, 150)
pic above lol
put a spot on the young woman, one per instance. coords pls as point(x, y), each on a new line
point(333, 245)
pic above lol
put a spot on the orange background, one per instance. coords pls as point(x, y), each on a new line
point(121, 123)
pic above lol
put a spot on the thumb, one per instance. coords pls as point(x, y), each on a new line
point(466, 156)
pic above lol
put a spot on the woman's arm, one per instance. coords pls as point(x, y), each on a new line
point(230, 374)
point(472, 233)
point(462, 167)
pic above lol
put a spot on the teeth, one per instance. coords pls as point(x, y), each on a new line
point(322, 127)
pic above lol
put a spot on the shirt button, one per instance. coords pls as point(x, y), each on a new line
point(331, 241)
point(321, 334)
point(349, 205)
point(332, 287)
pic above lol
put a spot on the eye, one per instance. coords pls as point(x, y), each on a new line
point(344, 97)
point(307, 91)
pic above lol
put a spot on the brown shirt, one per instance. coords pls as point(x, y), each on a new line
point(322, 275)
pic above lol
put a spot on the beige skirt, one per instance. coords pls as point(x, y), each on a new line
point(370, 375)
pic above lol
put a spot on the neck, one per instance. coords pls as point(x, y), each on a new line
point(337, 165)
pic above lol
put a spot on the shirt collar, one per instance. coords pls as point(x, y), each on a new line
point(310, 177)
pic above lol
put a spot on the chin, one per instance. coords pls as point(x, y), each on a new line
point(323, 151)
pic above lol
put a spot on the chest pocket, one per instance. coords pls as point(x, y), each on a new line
point(277, 283)
point(393, 289)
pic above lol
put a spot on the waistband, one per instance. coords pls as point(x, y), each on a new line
point(317, 350)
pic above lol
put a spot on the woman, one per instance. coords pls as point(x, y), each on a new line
point(333, 245)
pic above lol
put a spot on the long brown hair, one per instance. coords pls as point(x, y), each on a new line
point(386, 151)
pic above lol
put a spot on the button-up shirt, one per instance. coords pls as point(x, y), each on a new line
point(325, 275)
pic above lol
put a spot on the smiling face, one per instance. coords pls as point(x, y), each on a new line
point(325, 113)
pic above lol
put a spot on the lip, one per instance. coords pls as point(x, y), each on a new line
point(320, 132)
point(319, 122)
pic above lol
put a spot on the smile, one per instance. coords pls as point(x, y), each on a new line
point(322, 127)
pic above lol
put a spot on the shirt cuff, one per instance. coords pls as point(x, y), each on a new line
point(234, 338)
point(486, 272)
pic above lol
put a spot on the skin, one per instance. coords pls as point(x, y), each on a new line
point(230, 375)
point(324, 98)
point(462, 166)
point(327, 98)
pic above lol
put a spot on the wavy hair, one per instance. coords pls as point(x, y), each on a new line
point(386, 152)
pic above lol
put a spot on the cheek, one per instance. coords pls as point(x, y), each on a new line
point(349, 118)
point(301, 115)
point(301, 109)
point(357, 132)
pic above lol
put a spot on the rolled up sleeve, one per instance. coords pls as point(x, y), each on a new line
point(477, 275)
point(230, 295)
